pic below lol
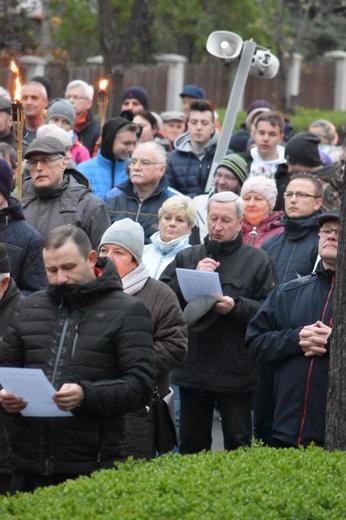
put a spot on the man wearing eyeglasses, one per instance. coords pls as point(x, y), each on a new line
point(80, 94)
point(141, 196)
point(293, 253)
point(54, 195)
point(292, 330)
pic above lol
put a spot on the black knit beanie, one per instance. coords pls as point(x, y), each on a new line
point(6, 179)
point(302, 149)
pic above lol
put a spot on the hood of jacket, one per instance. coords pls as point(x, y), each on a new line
point(109, 132)
point(83, 294)
point(13, 211)
point(297, 228)
point(183, 143)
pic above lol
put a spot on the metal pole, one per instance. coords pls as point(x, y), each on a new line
point(249, 49)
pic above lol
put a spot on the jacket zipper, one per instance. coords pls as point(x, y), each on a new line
point(61, 342)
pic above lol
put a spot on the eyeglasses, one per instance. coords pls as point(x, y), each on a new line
point(32, 163)
point(326, 232)
point(299, 195)
point(143, 163)
point(76, 98)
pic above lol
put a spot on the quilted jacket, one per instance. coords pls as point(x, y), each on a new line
point(23, 244)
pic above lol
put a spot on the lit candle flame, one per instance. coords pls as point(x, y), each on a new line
point(17, 92)
point(103, 84)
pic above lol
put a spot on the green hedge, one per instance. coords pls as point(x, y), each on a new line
point(302, 119)
point(257, 483)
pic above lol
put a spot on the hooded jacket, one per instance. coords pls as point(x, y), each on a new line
point(93, 335)
point(124, 202)
point(104, 171)
point(294, 252)
point(300, 382)
point(68, 203)
point(23, 245)
point(187, 170)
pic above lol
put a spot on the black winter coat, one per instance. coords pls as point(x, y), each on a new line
point(217, 359)
point(300, 382)
point(23, 245)
point(93, 335)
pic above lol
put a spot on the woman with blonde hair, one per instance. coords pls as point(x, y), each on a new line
point(177, 216)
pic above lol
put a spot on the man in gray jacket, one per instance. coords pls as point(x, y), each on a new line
point(55, 196)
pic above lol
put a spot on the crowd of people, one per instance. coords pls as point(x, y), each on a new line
point(90, 252)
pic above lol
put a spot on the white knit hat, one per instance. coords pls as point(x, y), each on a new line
point(262, 185)
point(127, 234)
point(55, 131)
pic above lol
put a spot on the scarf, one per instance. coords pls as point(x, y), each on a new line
point(134, 281)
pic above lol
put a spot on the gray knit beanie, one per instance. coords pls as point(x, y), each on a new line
point(262, 185)
point(127, 234)
point(61, 108)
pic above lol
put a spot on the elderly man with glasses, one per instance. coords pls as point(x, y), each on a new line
point(54, 195)
point(80, 94)
point(142, 195)
point(292, 331)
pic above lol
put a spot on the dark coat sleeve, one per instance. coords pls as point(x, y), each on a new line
point(266, 339)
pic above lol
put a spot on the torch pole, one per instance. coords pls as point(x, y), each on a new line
point(17, 117)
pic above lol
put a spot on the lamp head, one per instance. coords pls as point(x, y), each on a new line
point(224, 44)
point(264, 64)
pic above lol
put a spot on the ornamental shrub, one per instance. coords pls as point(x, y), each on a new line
point(255, 483)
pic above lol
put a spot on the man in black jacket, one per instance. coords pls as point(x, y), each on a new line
point(95, 345)
point(292, 330)
point(218, 368)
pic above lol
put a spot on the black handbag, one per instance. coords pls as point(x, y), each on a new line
point(165, 429)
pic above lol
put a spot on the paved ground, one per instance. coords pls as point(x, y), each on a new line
point(217, 434)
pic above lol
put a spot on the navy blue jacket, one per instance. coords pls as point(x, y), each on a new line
point(124, 202)
point(23, 245)
point(300, 382)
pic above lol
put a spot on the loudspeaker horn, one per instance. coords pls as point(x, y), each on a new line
point(224, 44)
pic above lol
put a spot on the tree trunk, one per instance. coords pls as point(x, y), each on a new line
point(336, 402)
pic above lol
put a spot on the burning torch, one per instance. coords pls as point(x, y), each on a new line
point(102, 100)
point(18, 123)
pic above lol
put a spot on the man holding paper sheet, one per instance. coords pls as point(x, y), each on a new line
point(95, 345)
point(218, 367)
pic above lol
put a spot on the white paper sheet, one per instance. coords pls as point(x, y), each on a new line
point(33, 386)
point(195, 284)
